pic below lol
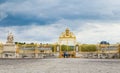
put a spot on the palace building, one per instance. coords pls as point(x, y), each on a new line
point(12, 50)
point(66, 46)
point(34, 50)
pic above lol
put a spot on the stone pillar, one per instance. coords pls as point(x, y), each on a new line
point(17, 51)
point(57, 48)
point(77, 48)
point(36, 53)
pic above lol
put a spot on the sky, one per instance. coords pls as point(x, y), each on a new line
point(42, 21)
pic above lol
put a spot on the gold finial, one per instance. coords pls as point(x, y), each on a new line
point(67, 31)
point(67, 28)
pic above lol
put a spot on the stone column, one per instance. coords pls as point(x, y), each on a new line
point(36, 53)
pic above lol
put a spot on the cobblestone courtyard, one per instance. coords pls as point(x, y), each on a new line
point(68, 65)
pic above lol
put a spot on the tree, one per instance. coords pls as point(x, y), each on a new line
point(20, 43)
point(63, 47)
point(88, 48)
point(16, 42)
point(32, 43)
point(67, 48)
point(52, 47)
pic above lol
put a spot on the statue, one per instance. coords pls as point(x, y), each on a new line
point(10, 38)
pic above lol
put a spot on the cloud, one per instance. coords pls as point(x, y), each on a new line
point(33, 33)
point(55, 10)
point(88, 33)
point(2, 16)
point(96, 32)
point(44, 20)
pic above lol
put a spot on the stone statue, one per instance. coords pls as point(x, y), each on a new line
point(10, 38)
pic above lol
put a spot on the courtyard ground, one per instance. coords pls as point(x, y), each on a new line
point(60, 65)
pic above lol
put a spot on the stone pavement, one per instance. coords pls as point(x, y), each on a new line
point(57, 65)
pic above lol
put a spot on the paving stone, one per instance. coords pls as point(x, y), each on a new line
point(68, 65)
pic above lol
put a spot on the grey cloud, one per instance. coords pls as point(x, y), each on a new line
point(65, 9)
